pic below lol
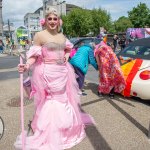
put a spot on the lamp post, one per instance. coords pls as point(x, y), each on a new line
point(44, 7)
point(61, 7)
point(37, 19)
point(9, 30)
point(1, 20)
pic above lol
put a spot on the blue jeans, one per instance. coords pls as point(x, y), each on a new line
point(80, 78)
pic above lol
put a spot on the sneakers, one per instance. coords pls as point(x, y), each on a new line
point(84, 94)
point(100, 94)
point(111, 95)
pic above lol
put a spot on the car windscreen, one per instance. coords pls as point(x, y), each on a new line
point(82, 42)
point(97, 41)
point(74, 40)
point(142, 52)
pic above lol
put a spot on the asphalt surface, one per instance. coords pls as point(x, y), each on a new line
point(121, 124)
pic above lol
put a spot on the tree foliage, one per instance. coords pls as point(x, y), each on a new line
point(80, 22)
point(77, 22)
point(140, 16)
point(100, 18)
point(122, 24)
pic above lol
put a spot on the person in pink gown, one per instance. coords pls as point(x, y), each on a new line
point(58, 122)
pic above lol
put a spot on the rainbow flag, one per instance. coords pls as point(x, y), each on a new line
point(130, 69)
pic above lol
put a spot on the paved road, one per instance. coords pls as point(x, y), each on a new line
point(92, 75)
point(121, 124)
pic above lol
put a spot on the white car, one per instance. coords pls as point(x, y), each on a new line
point(135, 64)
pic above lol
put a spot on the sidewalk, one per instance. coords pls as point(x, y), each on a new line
point(14, 52)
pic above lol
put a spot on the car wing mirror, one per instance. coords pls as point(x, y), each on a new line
point(1, 127)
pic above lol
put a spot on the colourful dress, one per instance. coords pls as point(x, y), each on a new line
point(58, 123)
point(111, 75)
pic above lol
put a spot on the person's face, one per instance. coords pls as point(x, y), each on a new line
point(52, 22)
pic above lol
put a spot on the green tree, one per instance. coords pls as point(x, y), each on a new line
point(140, 16)
point(122, 24)
point(100, 18)
point(80, 22)
point(77, 22)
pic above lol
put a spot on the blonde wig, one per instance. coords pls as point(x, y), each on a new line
point(55, 12)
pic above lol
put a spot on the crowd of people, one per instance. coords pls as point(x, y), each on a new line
point(56, 83)
point(119, 41)
point(9, 45)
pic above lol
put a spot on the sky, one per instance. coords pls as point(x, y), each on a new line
point(15, 11)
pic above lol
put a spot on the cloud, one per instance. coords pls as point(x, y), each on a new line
point(15, 12)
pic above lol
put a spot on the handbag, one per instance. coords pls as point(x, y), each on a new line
point(27, 86)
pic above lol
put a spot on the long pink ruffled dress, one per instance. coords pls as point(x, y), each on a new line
point(58, 123)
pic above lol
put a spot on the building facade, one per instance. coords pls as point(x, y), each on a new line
point(32, 20)
point(60, 6)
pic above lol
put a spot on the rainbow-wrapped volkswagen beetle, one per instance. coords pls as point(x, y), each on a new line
point(135, 64)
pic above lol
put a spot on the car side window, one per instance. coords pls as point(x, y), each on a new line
point(82, 42)
point(78, 44)
point(147, 51)
point(97, 41)
point(87, 41)
point(130, 50)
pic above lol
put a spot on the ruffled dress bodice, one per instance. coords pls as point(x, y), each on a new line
point(53, 51)
point(50, 50)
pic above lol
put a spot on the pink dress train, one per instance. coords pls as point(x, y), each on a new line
point(58, 123)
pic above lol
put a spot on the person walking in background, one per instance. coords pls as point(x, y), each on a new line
point(1, 46)
point(111, 78)
point(58, 123)
point(115, 42)
point(146, 32)
point(103, 34)
point(8, 43)
point(12, 44)
point(122, 42)
point(81, 60)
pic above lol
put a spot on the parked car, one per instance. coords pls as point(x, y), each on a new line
point(135, 64)
point(84, 40)
point(77, 42)
point(74, 39)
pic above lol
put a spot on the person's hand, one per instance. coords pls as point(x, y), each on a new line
point(23, 67)
point(65, 59)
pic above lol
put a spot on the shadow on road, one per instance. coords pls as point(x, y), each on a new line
point(129, 117)
point(92, 102)
point(94, 136)
point(96, 139)
point(138, 100)
point(123, 100)
point(91, 86)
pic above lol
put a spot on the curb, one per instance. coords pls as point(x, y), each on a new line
point(14, 52)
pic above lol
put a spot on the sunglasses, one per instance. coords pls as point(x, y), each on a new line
point(50, 19)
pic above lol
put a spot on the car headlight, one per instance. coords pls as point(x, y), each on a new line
point(145, 75)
